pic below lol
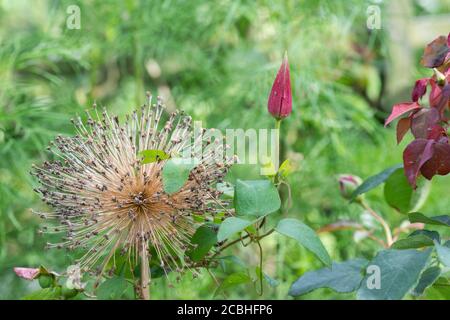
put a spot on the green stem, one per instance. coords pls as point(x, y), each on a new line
point(260, 268)
point(278, 139)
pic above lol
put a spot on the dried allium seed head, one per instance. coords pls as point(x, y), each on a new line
point(106, 201)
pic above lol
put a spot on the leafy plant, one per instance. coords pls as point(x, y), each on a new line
point(429, 153)
point(411, 264)
point(148, 206)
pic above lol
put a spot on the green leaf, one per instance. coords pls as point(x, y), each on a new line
point(443, 252)
point(342, 277)
point(176, 173)
point(399, 194)
point(231, 226)
point(286, 169)
point(399, 271)
point(413, 242)
point(440, 289)
point(153, 155)
point(113, 288)
point(305, 236)
point(53, 293)
point(427, 278)
point(375, 181)
point(203, 240)
point(233, 280)
point(443, 220)
point(256, 197)
point(433, 235)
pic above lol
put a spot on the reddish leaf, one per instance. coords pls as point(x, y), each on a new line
point(435, 53)
point(415, 155)
point(423, 121)
point(27, 273)
point(280, 98)
point(436, 133)
point(420, 88)
point(435, 93)
point(400, 109)
point(439, 163)
point(403, 126)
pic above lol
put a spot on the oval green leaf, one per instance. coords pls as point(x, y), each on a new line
point(375, 181)
point(176, 173)
point(231, 226)
point(305, 236)
point(256, 197)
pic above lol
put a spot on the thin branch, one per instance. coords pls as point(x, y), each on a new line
point(384, 224)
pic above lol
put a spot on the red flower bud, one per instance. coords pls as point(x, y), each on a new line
point(347, 184)
point(280, 98)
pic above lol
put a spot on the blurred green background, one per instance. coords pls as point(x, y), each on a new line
point(216, 60)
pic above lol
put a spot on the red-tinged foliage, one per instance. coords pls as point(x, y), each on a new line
point(420, 88)
point(439, 163)
point(403, 126)
point(435, 52)
point(414, 157)
point(400, 109)
point(429, 153)
point(280, 98)
point(437, 133)
point(423, 121)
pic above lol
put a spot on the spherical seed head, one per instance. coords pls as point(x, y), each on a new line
point(107, 201)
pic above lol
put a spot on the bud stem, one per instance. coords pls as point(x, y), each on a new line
point(384, 224)
point(278, 128)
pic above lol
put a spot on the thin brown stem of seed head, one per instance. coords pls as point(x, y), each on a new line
point(145, 273)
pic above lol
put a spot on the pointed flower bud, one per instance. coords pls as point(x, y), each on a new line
point(347, 184)
point(280, 98)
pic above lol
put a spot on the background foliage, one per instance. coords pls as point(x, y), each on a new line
point(216, 60)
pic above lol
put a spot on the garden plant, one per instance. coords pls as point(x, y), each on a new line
point(222, 150)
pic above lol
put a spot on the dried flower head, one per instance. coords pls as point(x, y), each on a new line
point(106, 200)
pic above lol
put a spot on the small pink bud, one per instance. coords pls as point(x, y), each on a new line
point(27, 273)
point(347, 184)
point(280, 98)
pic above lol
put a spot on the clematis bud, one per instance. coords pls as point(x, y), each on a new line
point(348, 184)
point(280, 98)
